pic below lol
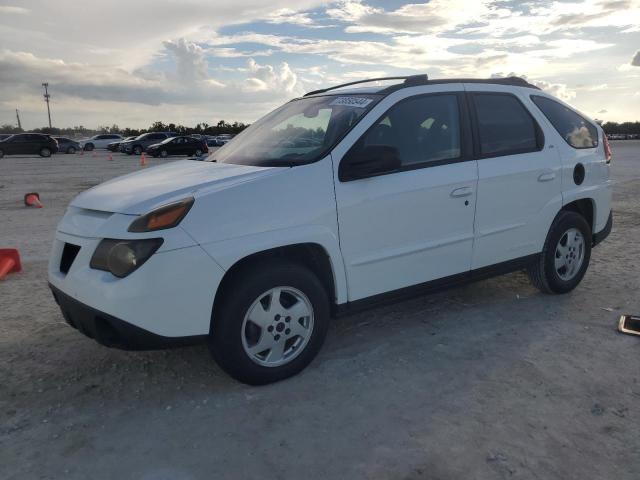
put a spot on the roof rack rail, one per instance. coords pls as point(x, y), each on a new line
point(409, 80)
point(414, 80)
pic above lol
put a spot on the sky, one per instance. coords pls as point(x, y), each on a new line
point(191, 61)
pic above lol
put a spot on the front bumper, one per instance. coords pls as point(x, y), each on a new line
point(113, 332)
point(171, 295)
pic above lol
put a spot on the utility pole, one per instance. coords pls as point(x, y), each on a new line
point(46, 99)
point(18, 117)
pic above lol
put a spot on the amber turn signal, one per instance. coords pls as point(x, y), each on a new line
point(167, 216)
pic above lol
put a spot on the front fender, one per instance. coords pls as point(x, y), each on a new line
point(228, 252)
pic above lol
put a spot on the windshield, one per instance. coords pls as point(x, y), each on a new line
point(301, 131)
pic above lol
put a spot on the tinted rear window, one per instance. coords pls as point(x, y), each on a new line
point(573, 127)
point(504, 125)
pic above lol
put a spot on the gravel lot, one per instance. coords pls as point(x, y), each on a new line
point(488, 381)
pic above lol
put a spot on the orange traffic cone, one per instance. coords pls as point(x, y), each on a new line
point(110, 157)
point(32, 200)
point(9, 262)
point(143, 161)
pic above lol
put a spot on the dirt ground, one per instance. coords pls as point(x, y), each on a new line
point(488, 381)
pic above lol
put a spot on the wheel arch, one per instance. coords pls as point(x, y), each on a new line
point(585, 207)
point(312, 255)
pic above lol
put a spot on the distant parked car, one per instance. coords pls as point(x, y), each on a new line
point(178, 146)
point(66, 145)
point(220, 140)
point(28, 144)
point(99, 141)
point(115, 146)
point(140, 144)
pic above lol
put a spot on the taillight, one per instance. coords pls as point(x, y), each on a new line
point(607, 149)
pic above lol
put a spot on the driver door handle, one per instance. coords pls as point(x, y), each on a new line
point(462, 192)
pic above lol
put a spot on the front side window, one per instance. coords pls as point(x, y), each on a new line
point(301, 131)
point(572, 127)
point(421, 130)
point(505, 127)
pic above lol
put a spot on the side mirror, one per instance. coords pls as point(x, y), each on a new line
point(369, 161)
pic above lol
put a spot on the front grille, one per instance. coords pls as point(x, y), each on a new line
point(69, 253)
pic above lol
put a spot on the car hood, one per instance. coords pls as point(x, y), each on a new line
point(140, 192)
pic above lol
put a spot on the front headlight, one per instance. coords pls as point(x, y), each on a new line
point(167, 216)
point(122, 257)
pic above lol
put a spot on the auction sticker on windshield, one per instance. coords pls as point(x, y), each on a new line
point(358, 102)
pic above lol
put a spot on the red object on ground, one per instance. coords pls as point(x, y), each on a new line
point(110, 157)
point(9, 262)
point(32, 200)
point(143, 160)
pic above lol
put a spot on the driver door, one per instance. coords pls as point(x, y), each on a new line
point(414, 224)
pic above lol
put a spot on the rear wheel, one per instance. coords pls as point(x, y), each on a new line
point(45, 152)
point(1, 153)
point(271, 324)
point(89, 147)
point(566, 254)
point(164, 153)
point(198, 152)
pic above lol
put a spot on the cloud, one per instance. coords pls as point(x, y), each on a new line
point(635, 61)
point(267, 78)
point(190, 59)
point(8, 10)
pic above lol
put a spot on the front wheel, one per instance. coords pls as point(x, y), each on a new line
point(164, 154)
point(565, 257)
point(1, 153)
point(45, 152)
point(271, 324)
point(198, 152)
point(89, 147)
point(137, 150)
point(71, 150)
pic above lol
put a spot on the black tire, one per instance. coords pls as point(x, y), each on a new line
point(164, 154)
point(543, 272)
point(71, 150)
point(89, 147)
point(198, 152)
point(45, 152)
point(137, 150)
point(1, 153)
point(248, 284)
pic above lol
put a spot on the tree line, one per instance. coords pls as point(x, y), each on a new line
point(80, 131)
point(624, 127)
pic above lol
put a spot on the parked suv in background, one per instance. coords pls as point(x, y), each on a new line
point(28, 144)
point(395, 190)
point(99, 141)
point(140, 143)
point(66, 145)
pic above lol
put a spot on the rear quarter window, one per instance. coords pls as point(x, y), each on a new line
point(572, 127)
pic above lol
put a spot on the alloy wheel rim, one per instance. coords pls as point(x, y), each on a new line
point(277, 326)
point(569, 254)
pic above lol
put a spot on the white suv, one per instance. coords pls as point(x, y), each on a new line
point(342, 198)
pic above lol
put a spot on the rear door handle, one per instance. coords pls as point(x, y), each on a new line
point(462, 192)
point(546, 177)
